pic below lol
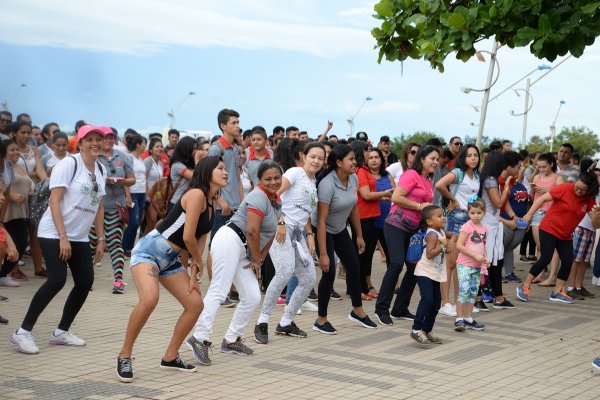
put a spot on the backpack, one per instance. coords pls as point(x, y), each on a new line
point(416, 245)
point(40, 199)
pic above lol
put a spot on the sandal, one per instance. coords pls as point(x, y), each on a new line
point(365, 297)
point(372, 293)
point(43, 273)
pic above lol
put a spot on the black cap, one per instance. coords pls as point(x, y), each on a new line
point(362, 136)
point(385, 139)
point(155, 135)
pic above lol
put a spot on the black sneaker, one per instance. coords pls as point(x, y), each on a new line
point(228, 303)
point(407, 316)
point(384, 318)
point(480, 305)
point(326, 328)
point(335, 295)
point(576, 294)
point(290, 330)
point(585, 293)
point(3, 298)
point(312, 296)
point(504, 304)
point(177, 364)
point(200, 350)
point(476, 326)
point(237, 347)
point(364, 321)
point(261, 333)
point(124, 370)
point(459, 325)
point(234, 296)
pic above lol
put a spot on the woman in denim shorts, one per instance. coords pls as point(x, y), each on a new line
point(543, 179)
point(458, 186)
point(154, 259)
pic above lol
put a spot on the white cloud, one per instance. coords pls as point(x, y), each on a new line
point(147, 26)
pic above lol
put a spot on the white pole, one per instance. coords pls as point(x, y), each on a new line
point(525, 112)
point(486, 94)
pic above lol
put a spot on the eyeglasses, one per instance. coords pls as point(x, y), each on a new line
point(457, 144)
point(579, 189)
point(93, 178)
point(413, 152)
point(5, 121)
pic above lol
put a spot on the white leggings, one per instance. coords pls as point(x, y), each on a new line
point(229, 259)
point(289, 260)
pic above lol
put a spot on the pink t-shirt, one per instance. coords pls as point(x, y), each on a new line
point(476, 238)
point(418, 188)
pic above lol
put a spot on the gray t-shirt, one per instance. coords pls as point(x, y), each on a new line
point(177, 171)
point(570, 173)
point(491, 212)
point(7, 175)
point(341, 200)
point(116, 166)
point(233, 162)
point(258, 202)
point(252, 165)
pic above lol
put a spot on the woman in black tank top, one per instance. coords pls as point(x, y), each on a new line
point(155, 259)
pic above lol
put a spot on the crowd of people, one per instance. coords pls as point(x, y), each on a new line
point(275, 206)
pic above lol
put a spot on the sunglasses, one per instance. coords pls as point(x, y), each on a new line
point(93, 178)
point(457, 144)
point(111, 167)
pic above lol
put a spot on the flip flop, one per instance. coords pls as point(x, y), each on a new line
point(365, 297)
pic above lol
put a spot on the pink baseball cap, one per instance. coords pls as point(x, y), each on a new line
point(87, 129)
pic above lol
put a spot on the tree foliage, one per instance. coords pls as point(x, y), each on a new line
point(583, 140)
point(420, 137)
point(432, 29)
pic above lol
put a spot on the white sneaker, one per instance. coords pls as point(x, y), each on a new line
point(308, 306)
point(20, 263)
point(595, 281)
point(448, 310)
point(299, 312)
point(475, 310)
point(25, 343)
point(66, 339)
point(8, 281)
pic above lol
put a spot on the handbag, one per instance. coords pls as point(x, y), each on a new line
point(123, 212)
point(400, 219)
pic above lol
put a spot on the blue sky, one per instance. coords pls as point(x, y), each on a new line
point(126, 64)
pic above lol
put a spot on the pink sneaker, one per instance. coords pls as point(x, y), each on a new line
point(280, 302)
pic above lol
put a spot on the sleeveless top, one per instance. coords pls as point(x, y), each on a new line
point(27, 160)
point(171, 228)
point(22, 184)
point(544, 184)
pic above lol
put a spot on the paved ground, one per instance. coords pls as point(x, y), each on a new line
point(540, 350)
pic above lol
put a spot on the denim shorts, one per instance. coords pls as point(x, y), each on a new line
point(537, 217)
point(155, 249)
point(455, 220)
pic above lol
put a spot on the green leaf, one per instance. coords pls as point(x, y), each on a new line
point(590, 8)
point(384, 8)
point(426, 47)
point(525, 35)
point(493, 12)
point(456, 21)
point(544, 24)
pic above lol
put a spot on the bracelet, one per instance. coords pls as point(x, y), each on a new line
point(62, 234)
point(418, 206)
point(100, 239)
point(281, 223)
point(310, 234)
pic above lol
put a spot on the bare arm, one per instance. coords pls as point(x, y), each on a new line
point(434, 246)
point(39, 169)
point(355, 219)
point(399, 197)
point(324, 134)
point(322, 215)
point(536, 205)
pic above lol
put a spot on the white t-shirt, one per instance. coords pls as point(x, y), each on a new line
point(299, 201)
point(586, 222)
point(468, 187)
point(395, 170)
point(79, 204)
point(154, 171)
point(139, 170)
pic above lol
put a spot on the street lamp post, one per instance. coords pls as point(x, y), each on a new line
point(553, 126)
point(352, 118)
point(486, 94)
point(171, 114)
point(11, 98)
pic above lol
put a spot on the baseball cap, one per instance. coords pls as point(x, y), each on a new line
point(385, 139)
point(155, 135)
point(87, 129)
point(362, 136)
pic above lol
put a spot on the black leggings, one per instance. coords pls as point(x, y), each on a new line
point(17, 228)
point(527, 241)
point(83, 277)
point(371, 235)
point(564, 248)
point(340, 244)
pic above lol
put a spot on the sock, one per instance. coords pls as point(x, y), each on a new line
point(285, 321)
point(569, 288)
point(459, 319)
point(415, 331)
point(21, 331)
point(58, 332)
point(469, 320)
point(263, 318)
point(578, 288)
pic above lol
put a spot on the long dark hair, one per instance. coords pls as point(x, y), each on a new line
point(548, 158)
point(339, 152)
point(590, 179)
point(492, 168)
point(133, 140)
point(421, 154)
point(461, 158)
point(184, 152)
point(404, 155)
point(203, 174)
point(359, 147)
point(286, 153)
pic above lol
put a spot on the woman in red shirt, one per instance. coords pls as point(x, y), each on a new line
point(571, 201)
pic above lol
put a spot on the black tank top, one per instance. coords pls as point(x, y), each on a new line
point(171, 228)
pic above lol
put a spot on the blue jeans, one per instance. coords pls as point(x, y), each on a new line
point(291, 286)
point(431, 297)
point(135, 219)
point(155, 249)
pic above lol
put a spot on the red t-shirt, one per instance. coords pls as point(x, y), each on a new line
point(566, 211)
point(367, 208)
